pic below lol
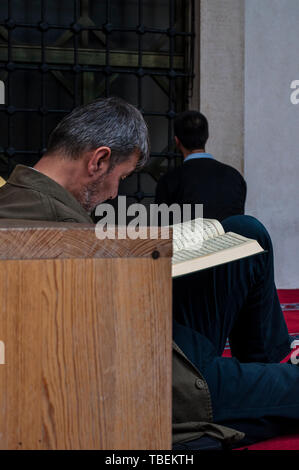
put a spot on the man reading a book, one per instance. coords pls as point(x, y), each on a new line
point(88, 153)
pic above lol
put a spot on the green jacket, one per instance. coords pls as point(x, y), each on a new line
point(29, 194)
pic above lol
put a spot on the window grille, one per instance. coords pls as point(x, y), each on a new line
point(57, 55)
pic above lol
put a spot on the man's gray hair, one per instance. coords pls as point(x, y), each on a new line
point(110, 122)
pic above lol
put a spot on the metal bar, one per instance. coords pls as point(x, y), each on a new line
point(171, 78)
point(94, 28)
point(12, 109)
point(9, 110)
point(107, 52)
point(149, 72)
point(84, 4)
point(43, 90)
point(8, 82)
point(190, 53)
point(76, 61)
point(140, 75)
point(92, 57)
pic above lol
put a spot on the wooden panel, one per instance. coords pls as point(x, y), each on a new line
point(87, 352)
point(43, 240)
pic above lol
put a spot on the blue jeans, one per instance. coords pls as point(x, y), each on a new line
point(238, 301)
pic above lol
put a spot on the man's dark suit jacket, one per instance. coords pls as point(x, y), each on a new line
point(219, 187)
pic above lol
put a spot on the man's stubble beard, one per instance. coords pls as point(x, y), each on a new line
point(87, 196)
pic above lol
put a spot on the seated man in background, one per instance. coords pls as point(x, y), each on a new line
point(89, 152)
point(201, 179)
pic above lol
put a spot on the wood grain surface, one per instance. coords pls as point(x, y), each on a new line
point(43, 240)
point(87, 351)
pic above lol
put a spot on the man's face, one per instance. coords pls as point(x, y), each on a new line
point(106, 187)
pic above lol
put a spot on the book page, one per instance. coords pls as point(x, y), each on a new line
point(212, 228)
point(212, 245)
point(193, 233)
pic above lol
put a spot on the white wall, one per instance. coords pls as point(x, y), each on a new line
point(271, 128)
point(247, 57)
point(221, 37)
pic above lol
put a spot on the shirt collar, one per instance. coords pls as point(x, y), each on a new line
point(193, 156)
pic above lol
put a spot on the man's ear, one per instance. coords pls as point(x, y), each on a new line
point(99, 161)
point(177, 142)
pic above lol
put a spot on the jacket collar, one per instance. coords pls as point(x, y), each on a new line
point(29, 178)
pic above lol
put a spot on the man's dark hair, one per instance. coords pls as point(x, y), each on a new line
point(110, 122)
point(192, 129)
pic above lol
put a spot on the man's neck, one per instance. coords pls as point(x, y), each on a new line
point(64, 172)
point(190, 152)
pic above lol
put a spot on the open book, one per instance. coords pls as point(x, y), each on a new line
point(202, 243)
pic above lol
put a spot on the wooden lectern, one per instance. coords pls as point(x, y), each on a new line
point(86, 329)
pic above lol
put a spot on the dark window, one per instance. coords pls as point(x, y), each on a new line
point(57, 55)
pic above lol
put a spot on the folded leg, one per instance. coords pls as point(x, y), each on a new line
point(236, 300)
point(242, 391)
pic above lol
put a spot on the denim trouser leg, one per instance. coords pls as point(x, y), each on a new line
point(242, 391)
point(238, 300)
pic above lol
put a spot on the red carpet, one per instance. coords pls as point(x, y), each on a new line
point(289, 300)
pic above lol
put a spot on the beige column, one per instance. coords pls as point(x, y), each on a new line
point(219, 76)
